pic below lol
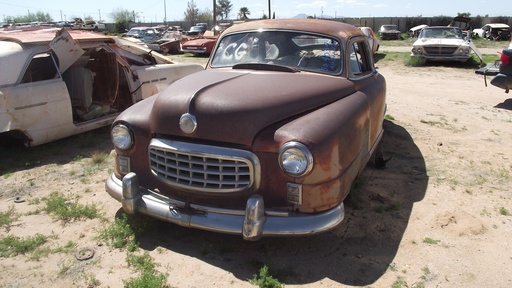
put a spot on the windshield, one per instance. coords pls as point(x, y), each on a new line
point(135, 32)
point(389, 28)
point(441, 33)
point(305, 52)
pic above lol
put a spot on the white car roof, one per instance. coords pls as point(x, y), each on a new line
point(498, 25)
point(13, 58)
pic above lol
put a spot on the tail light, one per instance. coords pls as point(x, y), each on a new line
point(505, 67)
point(505, 57)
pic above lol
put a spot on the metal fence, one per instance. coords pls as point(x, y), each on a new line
point(404, 23)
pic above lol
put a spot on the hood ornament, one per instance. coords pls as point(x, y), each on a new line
point(188, 123)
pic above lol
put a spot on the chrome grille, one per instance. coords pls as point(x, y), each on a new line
point(440, 50)
point(203, 168)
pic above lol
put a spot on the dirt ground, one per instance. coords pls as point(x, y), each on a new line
point(439, 215)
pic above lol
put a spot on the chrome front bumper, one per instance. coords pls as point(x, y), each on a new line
point(196, 51)
point(252, 223)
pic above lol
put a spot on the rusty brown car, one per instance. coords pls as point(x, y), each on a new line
point(266, 141)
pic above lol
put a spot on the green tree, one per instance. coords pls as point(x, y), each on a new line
point(243, 13)
point(192, 12)
point(121, 19)
point(224, 8)
point(205, 16)
point(33, 17)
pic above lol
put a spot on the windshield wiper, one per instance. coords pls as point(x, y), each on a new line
point(268, 67)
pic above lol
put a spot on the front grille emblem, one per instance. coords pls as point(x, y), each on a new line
point(188, 123)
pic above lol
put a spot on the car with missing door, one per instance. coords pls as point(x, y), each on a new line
point(266, 141)
point(55, 83)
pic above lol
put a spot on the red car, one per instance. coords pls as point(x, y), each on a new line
point(202, 45)
point(266, 141)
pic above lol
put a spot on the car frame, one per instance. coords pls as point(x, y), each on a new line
point(443, 43)
point(266, 141)
point(57, 82)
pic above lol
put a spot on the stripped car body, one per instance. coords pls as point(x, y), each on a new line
point(442, 43)
point(56, 83)
point(266, 141)
point(493, 31)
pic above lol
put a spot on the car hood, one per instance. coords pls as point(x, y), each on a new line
point(236, 105)
point(440, 41)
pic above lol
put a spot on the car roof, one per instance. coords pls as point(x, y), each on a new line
point(47, 35)
point(442, 27)
point(142, 28)
point(497, 25)
point(327, 27)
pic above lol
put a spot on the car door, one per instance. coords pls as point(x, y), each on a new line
point(362, 71)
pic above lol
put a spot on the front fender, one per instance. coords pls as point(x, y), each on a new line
point(337, 135)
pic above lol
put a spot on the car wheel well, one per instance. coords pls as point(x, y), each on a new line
point(14, 138)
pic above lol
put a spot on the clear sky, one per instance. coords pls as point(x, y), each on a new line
point(153, 10)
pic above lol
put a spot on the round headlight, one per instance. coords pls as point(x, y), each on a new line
point(121, 137)
point(295, 159)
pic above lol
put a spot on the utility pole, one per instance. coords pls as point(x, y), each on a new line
point(165, 13)
point(99, 12)
point(269, 9)
point(214, 16)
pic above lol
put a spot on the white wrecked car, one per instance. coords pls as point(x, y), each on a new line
point(442, 43)
point(56, 83)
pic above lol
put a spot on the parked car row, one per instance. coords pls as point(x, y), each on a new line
point(197, 40)
point(491, 31)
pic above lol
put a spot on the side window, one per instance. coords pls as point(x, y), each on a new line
point(41, 67)
point(360, 62)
